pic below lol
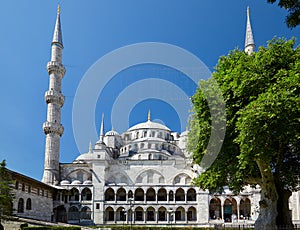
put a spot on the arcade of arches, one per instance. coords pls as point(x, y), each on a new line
point(149, 205)
point(229, 209)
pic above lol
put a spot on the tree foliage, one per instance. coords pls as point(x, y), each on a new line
point(262, 141)
point(6, 196)
point(293, 6)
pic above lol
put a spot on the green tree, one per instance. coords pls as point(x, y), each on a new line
point(261, 145)
point(6, 196)
point(293, 6)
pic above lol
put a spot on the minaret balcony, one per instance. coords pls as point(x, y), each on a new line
point(56, 67)
point(52, 96)
point(52, 127)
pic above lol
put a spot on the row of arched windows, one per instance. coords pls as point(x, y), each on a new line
point(156, 146)
point(150, 195)
point(148, 133)
point(21, 205)
point(85, 194)
point(151, 214)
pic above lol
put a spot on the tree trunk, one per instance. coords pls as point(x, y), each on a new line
point(284, 219)
point(268, 203)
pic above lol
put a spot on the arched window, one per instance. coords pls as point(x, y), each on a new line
point(162, 194)
point(109, 194)
point(139, 194)
point(150, 195)
point(121, 194)
point(179, 196)
point(28, 204)
point(86, 194)
point(21, 205)
point(74, 195)
point(191, 195)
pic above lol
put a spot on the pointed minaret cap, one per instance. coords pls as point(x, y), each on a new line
point(102, 128)
point(249, 40)
point(57, 35)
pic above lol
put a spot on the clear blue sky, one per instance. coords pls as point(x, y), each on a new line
point(91, 29)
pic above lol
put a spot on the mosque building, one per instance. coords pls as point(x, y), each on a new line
point(142, 176)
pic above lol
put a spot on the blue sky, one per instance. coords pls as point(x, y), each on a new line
point(91, 29)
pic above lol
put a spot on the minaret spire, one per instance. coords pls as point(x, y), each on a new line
point(57, 35)
point(249, 40)
point(55, 100)
point(102, 128)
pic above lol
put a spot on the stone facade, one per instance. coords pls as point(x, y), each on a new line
point(32, 199)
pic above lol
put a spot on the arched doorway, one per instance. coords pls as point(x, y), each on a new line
point(192, 214)
point(73, 214)
point(61, 214)
point(230, 209)
point(162, 214)
point(215, 209)
point(150, 214)
point(245, 208)
point(109, 214)
point(180, 214)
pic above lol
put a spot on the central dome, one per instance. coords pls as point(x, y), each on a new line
point(149, 125)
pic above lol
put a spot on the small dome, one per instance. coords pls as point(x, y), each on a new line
point(112, 133)
point(87, 182)
point(149, 125)
point(76, 182)
point(64, 182)
point(85, 156)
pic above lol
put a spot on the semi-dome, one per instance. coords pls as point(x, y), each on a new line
point(149, 125)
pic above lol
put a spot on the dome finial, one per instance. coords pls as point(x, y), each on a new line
point(58, 8)
point(149, 115)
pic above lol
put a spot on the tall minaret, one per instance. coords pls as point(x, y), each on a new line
point(55, 100)
point(249, 41)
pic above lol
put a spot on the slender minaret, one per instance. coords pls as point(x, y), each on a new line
point(249, 41)
point(55, 100)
